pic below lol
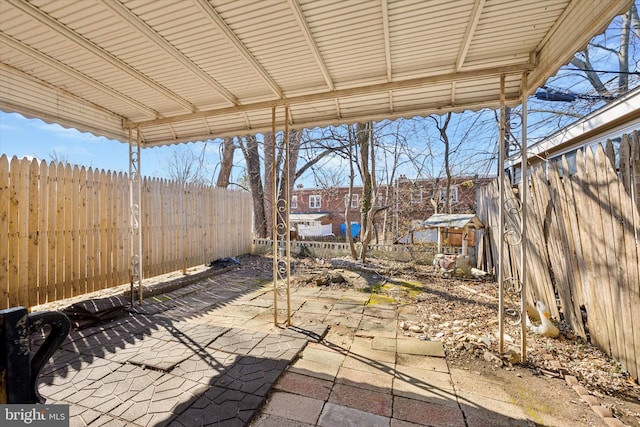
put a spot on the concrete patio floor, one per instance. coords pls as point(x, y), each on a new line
point(208, 354)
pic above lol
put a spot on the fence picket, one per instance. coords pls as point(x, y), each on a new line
point(123, 216)
point(68, 231)
point(75, 231)
point(608, 254)
point(51, 231)
point(91, 196)
point(43, 242)
point(82, 231)
point(4, 231)
point(22, 205)
point(574, 244)
point(540, 283)
point(630, 217)
point(34, 211)
point(569, 291)
point(589, 242)
point(634, 165)
point(625, 163)
point(625, 267)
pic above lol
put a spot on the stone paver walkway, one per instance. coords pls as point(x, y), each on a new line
point(208, 354)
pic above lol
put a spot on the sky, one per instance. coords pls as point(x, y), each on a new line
point(33, 138)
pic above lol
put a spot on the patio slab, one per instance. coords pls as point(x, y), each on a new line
point(209, 354)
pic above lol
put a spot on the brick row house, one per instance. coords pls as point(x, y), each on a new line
point(404, 206)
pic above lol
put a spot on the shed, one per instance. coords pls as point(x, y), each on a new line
point(464, 222)
point(306, 219)
point(313, 224)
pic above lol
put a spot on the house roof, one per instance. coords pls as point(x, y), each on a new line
point(192, 70)
point(453, 221)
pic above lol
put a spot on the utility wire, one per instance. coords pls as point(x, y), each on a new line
point(635, 73)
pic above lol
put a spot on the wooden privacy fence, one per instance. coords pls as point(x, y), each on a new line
point(582, 249)
point(65, 231)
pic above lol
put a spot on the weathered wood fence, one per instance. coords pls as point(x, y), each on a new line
point(583, 250)
point(65, 231)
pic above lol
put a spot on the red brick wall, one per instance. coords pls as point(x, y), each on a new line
point(407, 201)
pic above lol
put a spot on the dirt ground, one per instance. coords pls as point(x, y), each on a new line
point(463, 315)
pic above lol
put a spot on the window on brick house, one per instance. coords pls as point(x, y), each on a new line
point(294, 202)
point(315, 202)
point(416, 196)
point(355, 201)
point(453, 194)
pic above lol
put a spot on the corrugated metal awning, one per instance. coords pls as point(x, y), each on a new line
point(194, 70)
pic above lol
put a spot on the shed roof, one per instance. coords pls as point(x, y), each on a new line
point(453, 221)
point(299, 217)
point(194, 70)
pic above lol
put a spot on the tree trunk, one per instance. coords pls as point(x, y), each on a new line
point(623, 54)
point(444, 137)
point(592, 76)
point(347, 222)
point(269, 167)
point(252, 156)
point(368, 168)
point(635, 21)
point(228, 149)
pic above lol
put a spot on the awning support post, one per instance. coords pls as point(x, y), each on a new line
point(515, 285)
point(274, 212)
point(281, 230)
point(524, 190)
point(501, 156)
point(135, 214)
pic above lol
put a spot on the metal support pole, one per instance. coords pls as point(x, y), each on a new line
point(524, 190)
point(286, 216)
point(134, 205)
point(274, 212)
point(501, 156)
point(281, 234)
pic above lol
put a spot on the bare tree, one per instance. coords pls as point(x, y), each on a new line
point(226, 162)
point(352, 160)
point(364, 136)
point(442, 127)
point(582, 60)
point(59, 157)
point(186, 167)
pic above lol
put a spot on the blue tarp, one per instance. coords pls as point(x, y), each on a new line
point(355, 230)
